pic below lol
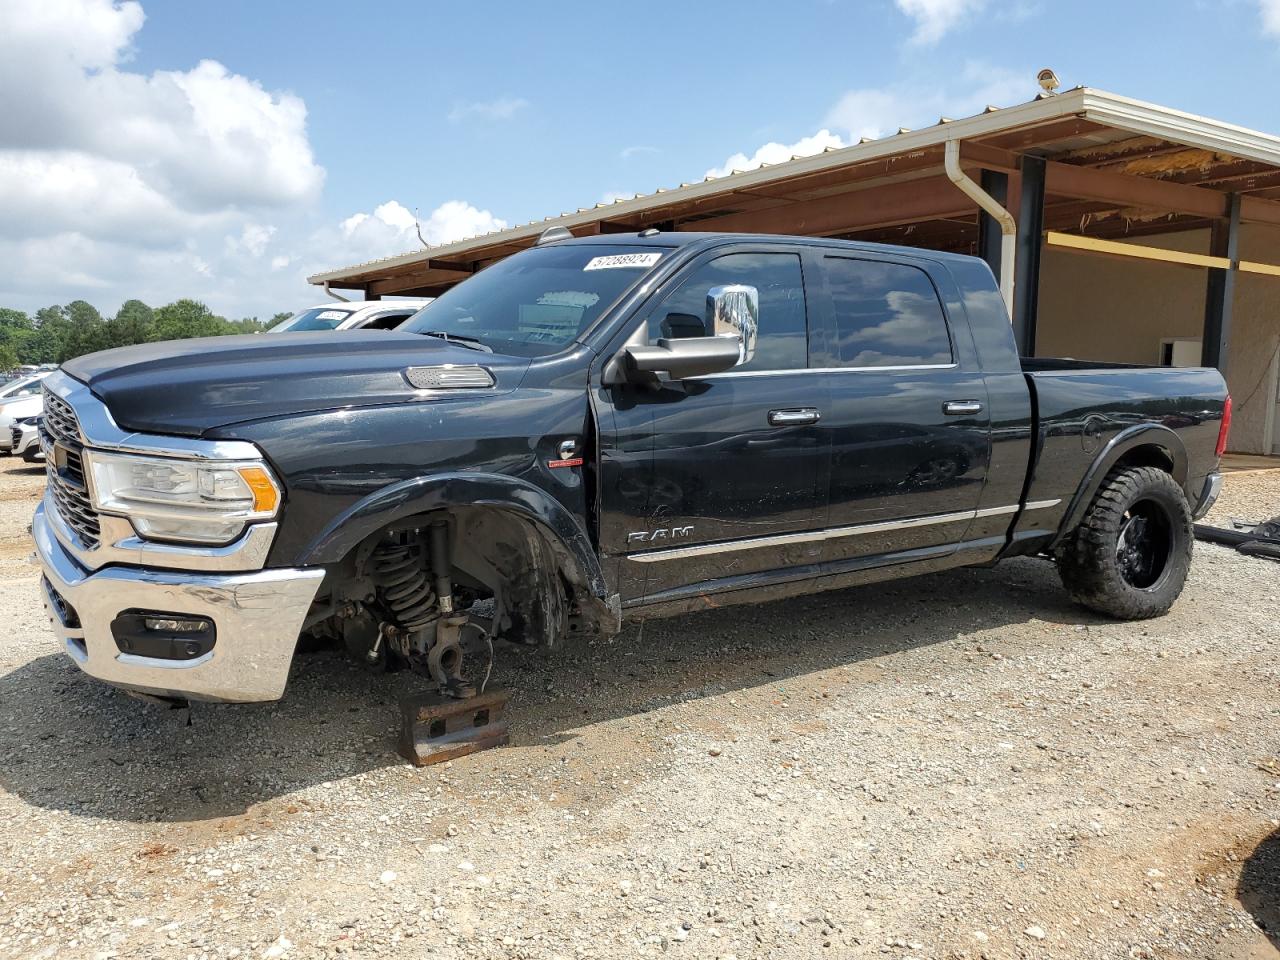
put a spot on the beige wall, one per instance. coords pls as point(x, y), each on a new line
point(1105, 308)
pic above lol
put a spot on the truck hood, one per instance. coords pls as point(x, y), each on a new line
point(189, 387)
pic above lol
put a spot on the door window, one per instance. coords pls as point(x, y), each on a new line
point(782, 342)
point(886, 315)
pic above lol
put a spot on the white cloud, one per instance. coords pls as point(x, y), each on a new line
point(253, 239)
point(390, 229)
point(935, 18)
point(258, 270)
point(778, 152)
point(116, 183)
point(613, 196)
point(1270, 11)
point(202, 139)
point(504, 108)
point(48, 192)
point(876, 112)
point(639, 150)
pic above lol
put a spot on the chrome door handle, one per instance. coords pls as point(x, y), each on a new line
point(961, 408)
point(795, 417)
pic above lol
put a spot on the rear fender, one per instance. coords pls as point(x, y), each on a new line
point(1135, 441)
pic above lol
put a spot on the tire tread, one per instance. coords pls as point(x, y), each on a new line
point(1086, 560)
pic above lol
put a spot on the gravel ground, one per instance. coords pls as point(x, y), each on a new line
point(959, 766)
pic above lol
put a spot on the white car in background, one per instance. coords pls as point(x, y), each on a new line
point(19, 400)
point(26, 440)
point(14, 411)
point(23, 386)
point(351, 315)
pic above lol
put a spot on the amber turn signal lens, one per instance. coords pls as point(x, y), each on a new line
point(265, 496)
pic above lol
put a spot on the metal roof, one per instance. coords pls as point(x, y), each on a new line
point(1126, 116)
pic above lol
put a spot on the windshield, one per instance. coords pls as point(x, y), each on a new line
point(319, 318)
point(537, 302)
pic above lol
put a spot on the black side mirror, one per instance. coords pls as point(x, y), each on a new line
point(682, 359)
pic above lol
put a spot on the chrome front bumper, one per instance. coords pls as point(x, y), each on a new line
point(257, 615)
point(1208, 496)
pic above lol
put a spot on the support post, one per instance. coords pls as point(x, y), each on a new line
point(997, 185)
point(1026, 286)
point(1220, 289)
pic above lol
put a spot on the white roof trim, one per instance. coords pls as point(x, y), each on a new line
point(1098, 106)
point(1179, 127)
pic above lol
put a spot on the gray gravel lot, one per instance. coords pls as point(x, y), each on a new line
point(963, 765)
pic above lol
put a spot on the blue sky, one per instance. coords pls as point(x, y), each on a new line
point(322, 125)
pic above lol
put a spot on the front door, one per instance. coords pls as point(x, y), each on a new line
point(907, 415)
point(706, 479)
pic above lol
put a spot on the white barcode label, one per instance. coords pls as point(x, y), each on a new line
point(623, 260)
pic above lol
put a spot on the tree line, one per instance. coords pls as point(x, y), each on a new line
point(59, 333)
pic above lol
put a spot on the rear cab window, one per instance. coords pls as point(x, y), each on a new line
point(884, 314)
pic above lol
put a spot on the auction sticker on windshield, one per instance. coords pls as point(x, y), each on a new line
point(617, 260)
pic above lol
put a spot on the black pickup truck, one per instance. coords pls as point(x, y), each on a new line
point(590, 431)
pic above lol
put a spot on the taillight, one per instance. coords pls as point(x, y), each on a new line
point(1224, 428)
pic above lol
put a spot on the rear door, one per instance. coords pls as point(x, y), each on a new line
point(906, 415)
point(711, 478)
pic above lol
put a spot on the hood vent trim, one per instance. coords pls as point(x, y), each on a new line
point(450, 376)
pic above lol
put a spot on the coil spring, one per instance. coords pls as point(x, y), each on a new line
point(398, 572)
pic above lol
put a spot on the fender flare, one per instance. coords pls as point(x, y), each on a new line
point(1123, 443)
point(444, 490)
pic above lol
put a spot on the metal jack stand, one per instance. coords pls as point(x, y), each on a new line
point(436, 728)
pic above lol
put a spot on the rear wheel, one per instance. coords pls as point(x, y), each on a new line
point(1130, 555)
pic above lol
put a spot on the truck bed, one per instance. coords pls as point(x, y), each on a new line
point(1079, 407)
point(1064, 364)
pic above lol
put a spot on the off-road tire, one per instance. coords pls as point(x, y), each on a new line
point(1090, 561)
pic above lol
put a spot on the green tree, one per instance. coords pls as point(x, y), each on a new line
point(52, 330)
point(8, 357)
point(247, 325)
point(187, 318)
point(82, 314)
point(18, 339)
point(278, 318)
point(14, 319)
point(86, 331)
point(59, 333)
point(132, 324)
point(54, 314)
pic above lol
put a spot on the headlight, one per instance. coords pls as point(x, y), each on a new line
point(195, 501)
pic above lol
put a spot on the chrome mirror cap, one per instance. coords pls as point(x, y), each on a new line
point(733, 310)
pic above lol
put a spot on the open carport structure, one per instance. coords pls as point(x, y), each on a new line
point(1120, 230)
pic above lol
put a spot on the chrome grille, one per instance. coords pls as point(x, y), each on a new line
point(60, 420)
point(65, 469)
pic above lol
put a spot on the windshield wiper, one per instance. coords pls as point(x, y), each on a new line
point(471, 343)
